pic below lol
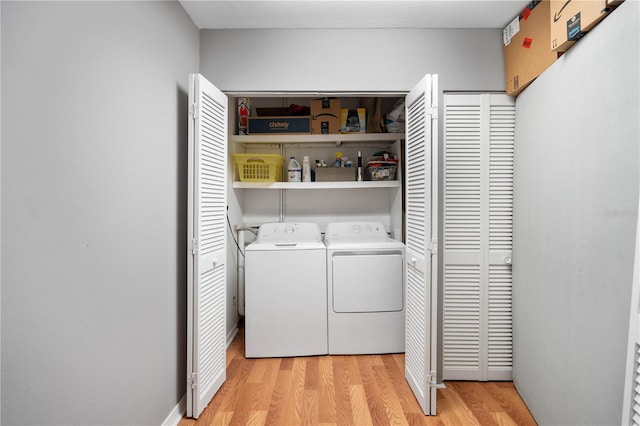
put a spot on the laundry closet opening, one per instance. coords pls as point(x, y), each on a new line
point(334, 194)
point(356, 196)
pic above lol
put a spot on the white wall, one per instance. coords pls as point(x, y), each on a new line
point(0, 209)
point(94, 125)
point(576, 198)
point(351, 60)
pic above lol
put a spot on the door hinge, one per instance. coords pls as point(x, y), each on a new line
point(194, 246)
point(192, 380)
point(433, 247)
point(433, 379)
point(433, 112)
point(194, 111)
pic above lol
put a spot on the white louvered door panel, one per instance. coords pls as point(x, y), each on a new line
point(207, 205)
point(463, 194)
point(502, 122)
point(631, 394)
point(635, 401)
point(478, 205)
point(421, 240)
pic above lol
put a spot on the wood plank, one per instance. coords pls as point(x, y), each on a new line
point(311, 379)
point(237, 382)
point(278, 404)
point(259, 370)
point(310, 412)
point(374, 399)
point(451, 412)
point(392, 404)
point(269, 380)
point(503, 419)
point(286, 363)
point(245, 403)
point(327, 401)
point(294, 411)
point(257, 418)
point(454, 409)
point(351, 364)
point(476, 400)
point(360, 409)
point(344, 414)
point(506, 395)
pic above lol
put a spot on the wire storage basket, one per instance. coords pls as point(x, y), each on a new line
point(259, 167)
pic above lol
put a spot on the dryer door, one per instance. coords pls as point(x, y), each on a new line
point(368, 282)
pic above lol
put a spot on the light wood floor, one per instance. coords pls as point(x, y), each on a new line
point(348, 390)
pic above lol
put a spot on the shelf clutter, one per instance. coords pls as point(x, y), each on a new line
point(349, 142)
point(268, 168)
point(322, 116)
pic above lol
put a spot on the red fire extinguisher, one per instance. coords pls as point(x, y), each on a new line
point(243, 115)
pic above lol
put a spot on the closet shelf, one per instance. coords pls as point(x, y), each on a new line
point(330, 138)
point(318, 185)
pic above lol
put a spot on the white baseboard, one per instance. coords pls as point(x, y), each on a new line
point(177, 413)
point(231, 335)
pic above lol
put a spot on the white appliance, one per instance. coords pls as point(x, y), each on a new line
point(286, 292)
point(365, 283)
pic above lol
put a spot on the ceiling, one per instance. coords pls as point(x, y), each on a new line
point(217, 14)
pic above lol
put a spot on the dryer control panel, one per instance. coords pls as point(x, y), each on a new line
point(356, 231)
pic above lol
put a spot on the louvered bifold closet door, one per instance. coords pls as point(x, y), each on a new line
point(206, 346)
point(478, 204)
point(421, 239)
point(633, 404)
point(499, 183)
point(631, 394)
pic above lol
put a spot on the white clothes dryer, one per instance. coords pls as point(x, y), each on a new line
point(366, 289)
point(286, 292)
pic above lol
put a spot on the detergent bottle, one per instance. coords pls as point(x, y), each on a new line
point(295, 172)
point(306, 169)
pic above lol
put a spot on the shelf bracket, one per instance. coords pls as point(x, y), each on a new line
point(338, 143)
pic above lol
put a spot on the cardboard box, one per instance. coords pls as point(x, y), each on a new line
point(571, 19)
point(292, 110)
point(353, 120)
point(325, 116)
point(275, 125)
point(526, 47)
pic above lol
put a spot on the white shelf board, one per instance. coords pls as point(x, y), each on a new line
point(318, 185)
point(332, 138)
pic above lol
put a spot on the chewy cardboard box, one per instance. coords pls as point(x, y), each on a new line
point(288, 124)
point(325, 116)
point(571, 19)
point(526, 47)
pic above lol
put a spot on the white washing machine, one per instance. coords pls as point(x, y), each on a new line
point(365, 284)
point(286, 292)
